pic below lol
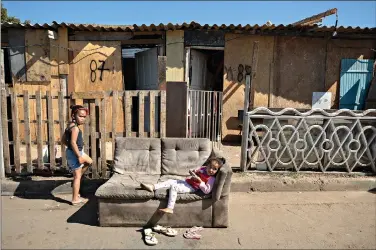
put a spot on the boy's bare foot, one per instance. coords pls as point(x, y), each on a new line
point(166, 210)
point(148, 187)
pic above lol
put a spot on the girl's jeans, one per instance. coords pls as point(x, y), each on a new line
point(175, 186)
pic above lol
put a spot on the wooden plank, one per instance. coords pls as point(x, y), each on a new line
point(4, 121)
point(2, 72)
point(99, 70)
point(2, 86)
point(128, 113)
point(39, 128)
point(89, 95)
point(17, 54)
point(93, 139)
point(38, 67)
point(86, 132)
point(163, 114)
point(26, 109)
point(62, 115)
point(122, 94)
point(100, 36)
point(115, 99)
point(54, 57)
point(16, 133)
point(162, 60)
point(63, 51)
point(254, 70)
point(103, 116)
point(51, 132)
point(133, 92)
point(142, 41)
point(141, 114)
point(152, 113)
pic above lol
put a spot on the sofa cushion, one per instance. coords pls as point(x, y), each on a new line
point(137, 155)
point(163, 192)
point(179, 155)
point(126, 186)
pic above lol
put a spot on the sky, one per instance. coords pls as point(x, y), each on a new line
point(350, 13)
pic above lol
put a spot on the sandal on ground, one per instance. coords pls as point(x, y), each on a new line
point(189, 235)
point(195, 229)
point(79, 202)
point(150, 237)
point(165, 230)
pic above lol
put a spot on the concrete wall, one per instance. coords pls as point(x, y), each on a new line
point(175, 56)
point(289, 70)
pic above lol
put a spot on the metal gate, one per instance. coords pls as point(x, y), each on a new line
point(204, 114)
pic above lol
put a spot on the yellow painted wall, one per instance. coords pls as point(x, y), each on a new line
point(175, 55)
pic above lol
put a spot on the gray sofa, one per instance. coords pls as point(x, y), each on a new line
point(121, 201)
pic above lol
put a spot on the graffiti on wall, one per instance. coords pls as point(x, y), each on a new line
point(240, 72)
point(94, 68)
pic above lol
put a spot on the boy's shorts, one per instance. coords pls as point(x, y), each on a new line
point(72, 159)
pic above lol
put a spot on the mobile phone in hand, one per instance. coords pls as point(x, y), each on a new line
point(192, 173)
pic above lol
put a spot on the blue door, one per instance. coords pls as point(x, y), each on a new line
point(356, 76)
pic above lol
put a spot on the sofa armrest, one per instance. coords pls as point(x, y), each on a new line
point(223, 179)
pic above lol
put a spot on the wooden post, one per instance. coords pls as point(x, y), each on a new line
point(16, 132)
point(243, 159)
point(39, 128)
point(86, 133)
point(244, 149)
point(2, 87)
point(93, 139)
point(62, 115)
point(51, 132)
point(152, 113)
point(4, 126)
point(27, 131)
point(115, 99)
point(162, 126)
point(141, 114)
point(128, 114)
point(248, 104)
point(254, 69)
point(103, 134)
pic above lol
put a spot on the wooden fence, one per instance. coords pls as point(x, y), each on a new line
point(45, 115)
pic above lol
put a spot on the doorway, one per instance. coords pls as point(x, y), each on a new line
point(205, 68)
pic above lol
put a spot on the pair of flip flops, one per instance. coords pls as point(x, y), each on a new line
point(193, 233)
point(150, 238)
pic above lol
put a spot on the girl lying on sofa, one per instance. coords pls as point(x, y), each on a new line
point(201, 178)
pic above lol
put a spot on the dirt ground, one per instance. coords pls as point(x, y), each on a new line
point(306, 220)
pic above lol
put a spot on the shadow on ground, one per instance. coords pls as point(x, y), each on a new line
point(87, 214)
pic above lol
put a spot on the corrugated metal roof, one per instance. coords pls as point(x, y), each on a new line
point(188, 26)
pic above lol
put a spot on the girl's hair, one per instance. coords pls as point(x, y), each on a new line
point(221, 161)
point(75, 109)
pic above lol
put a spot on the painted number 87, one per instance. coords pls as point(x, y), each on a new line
point(94, 68)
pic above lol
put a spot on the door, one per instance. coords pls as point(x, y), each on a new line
point(199, 68)
point(147, 69)
point(356, 76)
point(147, 79)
